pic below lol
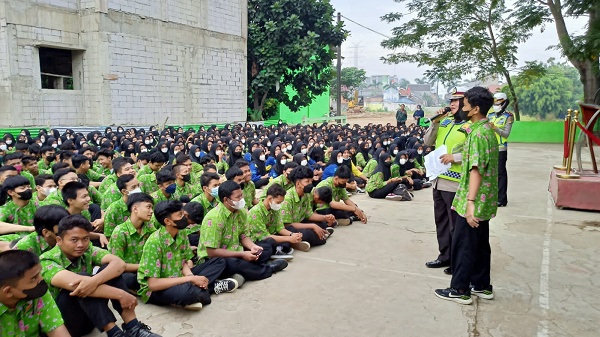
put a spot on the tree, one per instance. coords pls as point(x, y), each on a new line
point(550, 95)
point(457, 38)
point(581, 50)
point(403, 83)
point(289, 46)
point(351, 79)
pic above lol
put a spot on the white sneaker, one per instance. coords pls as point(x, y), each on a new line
point(302, 246)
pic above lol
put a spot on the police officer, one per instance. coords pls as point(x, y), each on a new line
point(448, 130)
point(501, 121)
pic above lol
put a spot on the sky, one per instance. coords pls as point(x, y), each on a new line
point(368, 13)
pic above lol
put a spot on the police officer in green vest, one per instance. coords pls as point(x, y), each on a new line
point(501, 121)
point(448, 131)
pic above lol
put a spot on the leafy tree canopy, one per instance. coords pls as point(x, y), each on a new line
point(351, 79)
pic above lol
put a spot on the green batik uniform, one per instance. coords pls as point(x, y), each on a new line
point(338, 194)
point(208, 206)
point(375, 182)
point(361, 160)
point(33, 242)
point(249, 193)
point(30, 318)
point(127, 243)
point(145, 170)
point(93, 175)
point(481, 151)
point(29, 177)
point(281, 180)
point(263, 222)
point(369, 168)
point(158, 196)
point(148, 183)
point(95, 195)
point(296, 208)
point(14, 214)
point(107, 183)
point(115, 215)
point(187, 189)
point(111, 195)
point(222, 229)
point(42, 165)
point(163, 257)
point(222, 166)
point(55, 198)
point(54, 261)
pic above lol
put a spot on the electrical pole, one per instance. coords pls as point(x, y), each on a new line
point(339, 72)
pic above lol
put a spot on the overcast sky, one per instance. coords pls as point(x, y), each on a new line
point(368, 13)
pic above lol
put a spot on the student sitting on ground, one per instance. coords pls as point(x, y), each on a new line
point(210, 191)
point(17, 207)
point(81, 297)
point(248, 188)
point(283, 179)
point(27, 309)
point(382, 184)
point(341, 207)
point(166, 273)
point(117, 212)
point(45, 221)
point(44, 185)
point(165, 178)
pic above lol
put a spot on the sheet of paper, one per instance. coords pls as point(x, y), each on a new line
point(433, 164)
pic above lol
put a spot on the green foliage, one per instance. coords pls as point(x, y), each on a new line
point(289, 45)
point(456, 38)
point(351, 78)
point(549, 95)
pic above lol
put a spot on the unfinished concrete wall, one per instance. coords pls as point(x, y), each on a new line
point(134, 62)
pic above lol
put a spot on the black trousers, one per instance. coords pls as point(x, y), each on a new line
point(309, 235)
point(187, 293)
point(261, 182)
point(338, 214)
point(445, 217)
point(502, 178)
point(381, 193)
point(83, 314)
point(271, 244)
point(249, 270)
point(399, 124)
point(268, 245)
point(131, 281)
point(471, 255)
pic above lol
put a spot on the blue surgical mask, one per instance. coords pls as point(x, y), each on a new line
point(171, 188)
point(215, 192)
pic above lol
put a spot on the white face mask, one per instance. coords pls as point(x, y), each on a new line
point(497, 108)
point(340, 160)
point(197, 154)
point(135, 190)
point(321, 145)
point(304, 162)
point(3, 147)
point(42, 139)
point(386, 143)
point(55, 145)
point(147, 141)
point(8, 141)
point(240, 204)
point(268, 143)
point(49, 190)
point(275, 206)
point(303, 151)
point(144, 150)
point(174, 152)
point(284, 150)
point(289, 147)
point(164, 150)
point(283, 162)
point(402, 161)
point(262, 157)
point(218, 152)
point(420, 151)
point(395, 151)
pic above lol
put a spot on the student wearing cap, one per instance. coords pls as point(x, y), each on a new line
point(447, 131)
point(501, 121)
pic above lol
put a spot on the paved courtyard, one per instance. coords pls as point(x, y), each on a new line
point(370, 280)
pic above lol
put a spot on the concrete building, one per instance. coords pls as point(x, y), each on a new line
point(122, 62)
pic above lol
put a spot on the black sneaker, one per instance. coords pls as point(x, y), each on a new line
point(453, 295)
point(140, 330)
point(277, 265)
point(225, 286)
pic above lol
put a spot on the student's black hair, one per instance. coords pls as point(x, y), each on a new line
point(59, 166)
point(195, 212)
point(10, 184)
point(206, 177)
point(210, 166)
point(343, 172)
point(290, 165)
point(7, 168)
point(79, 160)
point(205, 160)
point(164, 209)
point(22, 147)
point(177, 168)
point(226, 189)
point(123, 180)
point(14, 264)
point(181, 158)
point(156, 157)
point(88, 148)
point(137, 198)
point(184, 199)
point(47, 149)
point(60, 173)
point(233, 172)
point(70, 190)
point(276, 190)
point(34, 149)
point(28, 160)
point(143, 156)
point(46, 217)
point(241, 163)
point(118, 164)
point(165, 175)
point(41, 179)
point(481, 97)
point(300, 172)
point(105, 153)
point(73, 221)
point(65, 155)
point(11, 156)
point(325, 194)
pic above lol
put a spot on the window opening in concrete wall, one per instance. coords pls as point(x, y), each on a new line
point(60, 68)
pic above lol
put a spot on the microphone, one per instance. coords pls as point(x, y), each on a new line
point(446, 110)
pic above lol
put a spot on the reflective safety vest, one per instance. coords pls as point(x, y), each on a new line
point(500, 122)
point(453, 135)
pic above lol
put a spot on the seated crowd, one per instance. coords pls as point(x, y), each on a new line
point(177, 216)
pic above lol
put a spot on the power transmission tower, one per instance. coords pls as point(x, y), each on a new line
point(356, 47)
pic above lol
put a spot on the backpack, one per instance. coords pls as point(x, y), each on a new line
point(403, 192)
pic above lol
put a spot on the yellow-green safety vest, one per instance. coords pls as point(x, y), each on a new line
point(453, 135)
point(500, 122)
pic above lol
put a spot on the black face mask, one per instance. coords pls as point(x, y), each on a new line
point(242, 185)
point(181, 223)
point(387, 163)
point(50, 158)
point(25, 195)
point(460, 116)
point(308, 188)
point(186, 177)
point(340, 185)
point(35, 292)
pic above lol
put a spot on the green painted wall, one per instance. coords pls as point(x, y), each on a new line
point(318, 109)
point(537, 132)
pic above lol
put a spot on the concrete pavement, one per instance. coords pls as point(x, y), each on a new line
point(370, 280)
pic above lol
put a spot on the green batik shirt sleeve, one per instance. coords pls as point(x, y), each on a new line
point(276, 223)
point(395, 171)
point(110, 196)
point(150, 264)
point(51, 265)
point(95, 195)
point(30, 244)
point(49, 315)
point(148, 183)
point(484, 154)
point(29, 177)
point(210, 234)
point(307, 203)
point(256, 224)
point(287, 210)
point(6, 212)
point(118, 243)
point(93, 175)
point(97, 255)
point(115, 215)
point(375, 182)
point(369, 168)
point(360, 160)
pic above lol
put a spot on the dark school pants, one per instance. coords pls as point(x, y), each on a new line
point(309, 235)
point(131, 281)
point(251, 271)
point(381, 193)
point(269, 246)
point(502, 178)
point(261, 182)
point(83, 314)
point(338, 214)
point(471, 255)
point(445, 217)
point(187, 293)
